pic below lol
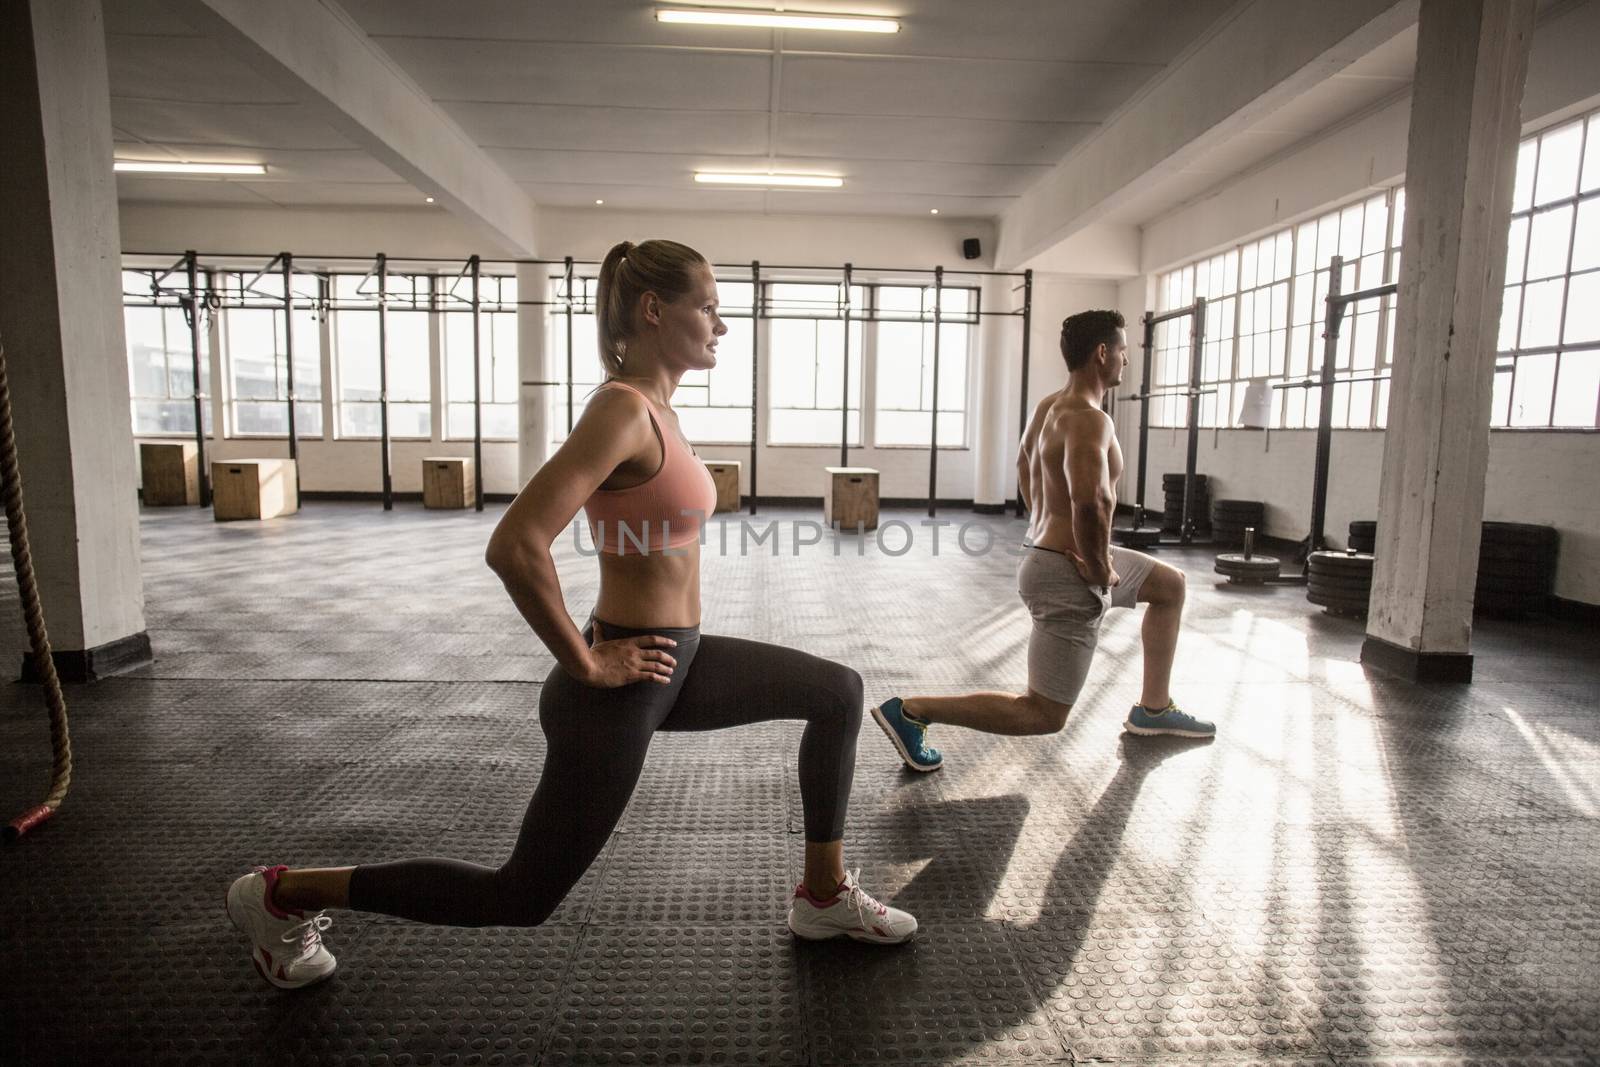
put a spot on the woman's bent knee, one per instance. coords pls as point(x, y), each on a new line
point(516, 903)
point(846, 686)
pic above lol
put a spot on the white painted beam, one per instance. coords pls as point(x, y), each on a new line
point(1263, 54)
point(1472, 59)
point(314, 50)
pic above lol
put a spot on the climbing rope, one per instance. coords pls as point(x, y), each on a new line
point(28, 587)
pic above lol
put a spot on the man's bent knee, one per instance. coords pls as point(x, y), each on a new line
point(1048, 716)
point(1166, 584)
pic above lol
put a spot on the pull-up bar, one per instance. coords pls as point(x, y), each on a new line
point(1196, 313)
point(1336, 304)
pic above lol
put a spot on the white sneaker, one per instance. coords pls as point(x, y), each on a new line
point(851, 912)
point(288, 950)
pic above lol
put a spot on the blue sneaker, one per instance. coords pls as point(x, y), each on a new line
point(1171, 721)
point(910, 738)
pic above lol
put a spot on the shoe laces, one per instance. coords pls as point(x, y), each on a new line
point(924, 750)
point(307, 933)
point(862, 901)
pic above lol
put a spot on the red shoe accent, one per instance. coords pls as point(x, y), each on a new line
point(266, 956)
point(805, 894)
point(271, 876)
point(281, 976)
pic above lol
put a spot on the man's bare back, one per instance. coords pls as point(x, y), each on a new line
point(1067, 432)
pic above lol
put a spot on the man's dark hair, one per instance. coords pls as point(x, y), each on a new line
point(1085, 331)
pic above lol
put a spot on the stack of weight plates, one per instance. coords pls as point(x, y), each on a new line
point(1200, 508)
point(1516, 568)
point(1364, 535)
point(1230, 517)
point(1340, 581)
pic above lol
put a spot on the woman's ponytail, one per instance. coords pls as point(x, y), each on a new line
point(611, 313)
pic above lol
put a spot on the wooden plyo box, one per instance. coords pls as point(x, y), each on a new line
point(169, 473)
point(725, 476)
point(253, 489)
point(851, 498)
point(447, 483)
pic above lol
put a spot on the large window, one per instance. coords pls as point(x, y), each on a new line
point(160, 355)
point(497, 356)
point(258, 364)
point(355, 332)
point(807, 358)
point(905, 364)
point(1548, 370)
point(1266, 302)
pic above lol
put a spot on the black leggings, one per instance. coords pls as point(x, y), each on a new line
point(597, 744)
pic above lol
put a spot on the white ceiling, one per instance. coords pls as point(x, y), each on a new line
point(585, 99)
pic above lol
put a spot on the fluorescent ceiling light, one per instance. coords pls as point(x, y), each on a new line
point(144, 167)
point(814, 181)
point(776, 20)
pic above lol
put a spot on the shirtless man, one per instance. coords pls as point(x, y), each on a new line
point(1070, 575)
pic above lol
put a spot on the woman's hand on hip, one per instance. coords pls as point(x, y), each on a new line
point(612, 664)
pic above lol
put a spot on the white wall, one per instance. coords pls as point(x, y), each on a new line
point(1540, 477)
point(331, 465)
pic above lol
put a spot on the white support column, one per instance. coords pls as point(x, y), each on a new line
point(1472, 58)
point(534, 395)
point(999, 340)
point(61, 322)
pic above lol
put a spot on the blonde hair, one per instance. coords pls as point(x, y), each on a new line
point(630, 270)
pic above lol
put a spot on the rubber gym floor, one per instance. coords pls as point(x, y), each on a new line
point(1357, 870)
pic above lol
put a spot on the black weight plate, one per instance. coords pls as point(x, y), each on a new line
point(1256, 562)
point(1363, 527)
point(1534, 571)
point(1225, 504)
point(1352, 589)
point(1511, 587)
point(1519, 532)
point(1507, 607)
point(1348, 603)
point(1363, 544)
point(1340, 563)
point(1144, 537)
point(1544, 555)
point(1515, 546)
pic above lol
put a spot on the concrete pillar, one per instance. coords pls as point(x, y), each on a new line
point(536, 395)
point(999, 343)
point(61, 322)
point(1472, 57)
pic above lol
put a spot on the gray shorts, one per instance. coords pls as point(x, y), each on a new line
point(1066, 614)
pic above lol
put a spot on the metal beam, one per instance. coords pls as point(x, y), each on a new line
point(316, 52)
point(1199, 101)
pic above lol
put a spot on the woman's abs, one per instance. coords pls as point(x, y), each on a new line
point(639, 592)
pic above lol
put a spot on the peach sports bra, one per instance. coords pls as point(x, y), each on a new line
point(665, 510)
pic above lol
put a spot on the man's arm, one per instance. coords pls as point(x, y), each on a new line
point(1088, 443)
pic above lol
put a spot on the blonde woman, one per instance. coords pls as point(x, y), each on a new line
point(640, 665)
